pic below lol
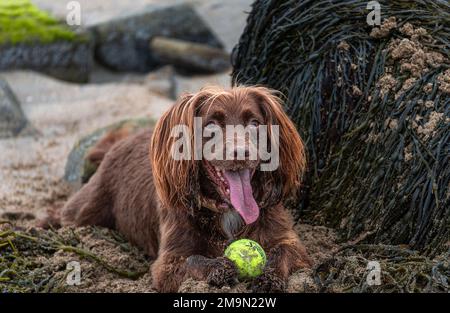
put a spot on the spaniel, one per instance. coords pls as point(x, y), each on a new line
point(184, 211)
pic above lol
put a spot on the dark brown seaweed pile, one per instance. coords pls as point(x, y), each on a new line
point(35, 260)
point(373, 105)
point(400, 270)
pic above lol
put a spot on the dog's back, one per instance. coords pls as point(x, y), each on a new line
point(120, 194)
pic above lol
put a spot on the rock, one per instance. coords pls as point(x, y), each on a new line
point(123, 43)
point(78, 168)
point(12, 119)
point(217, 14)
point(188, 56)
point(36, 40)
point(162, 81)
point(70, 61)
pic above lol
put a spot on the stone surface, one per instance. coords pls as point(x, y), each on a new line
point(12, 118)
point(71, 61)
point(162, 81)
point(188, 56)
point(123, 44)
point(31, 38)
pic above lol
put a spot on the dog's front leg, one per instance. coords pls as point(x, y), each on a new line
point(285, 252)
point(280, 264)
point(178, 241)
point(168, 272)
point(181, 256)
point(284, 257)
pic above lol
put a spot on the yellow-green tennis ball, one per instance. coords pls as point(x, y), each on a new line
point(248, 256)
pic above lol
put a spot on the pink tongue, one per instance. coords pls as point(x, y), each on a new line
point(241, 194)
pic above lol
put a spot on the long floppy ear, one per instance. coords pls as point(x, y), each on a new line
point(174, 179)
point(292, 154)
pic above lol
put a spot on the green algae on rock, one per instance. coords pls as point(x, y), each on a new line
point(23, 22)
point(32, 39)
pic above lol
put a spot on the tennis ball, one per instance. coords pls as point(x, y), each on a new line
point(248, 256)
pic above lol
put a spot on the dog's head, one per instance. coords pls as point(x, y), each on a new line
point(229, 140)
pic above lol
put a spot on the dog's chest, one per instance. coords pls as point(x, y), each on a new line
point(219, 230)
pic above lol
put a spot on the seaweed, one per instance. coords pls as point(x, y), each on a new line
point(400, 270)
point(372, 104)
point(25, 257)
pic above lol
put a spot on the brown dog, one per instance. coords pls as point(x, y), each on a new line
point(183, 213)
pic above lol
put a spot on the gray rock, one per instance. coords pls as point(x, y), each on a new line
point(67, 60)
point(123, 43)
point(162, 81)
point(12, 119)
point(189, 56)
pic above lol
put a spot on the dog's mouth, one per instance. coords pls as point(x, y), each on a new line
point(235, 190)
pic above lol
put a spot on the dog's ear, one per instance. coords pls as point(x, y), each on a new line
point(173, 178)
point(292, 154)
point(176, 179)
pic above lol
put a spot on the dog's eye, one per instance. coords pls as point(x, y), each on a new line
point(212, 126)
point(254, 123)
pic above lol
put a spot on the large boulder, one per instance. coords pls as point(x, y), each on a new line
point(123, 43)
point(32, 39)
point(12, 119)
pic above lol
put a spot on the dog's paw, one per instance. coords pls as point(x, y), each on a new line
point(223, 273)
point(268, 282)
point(217, 272)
